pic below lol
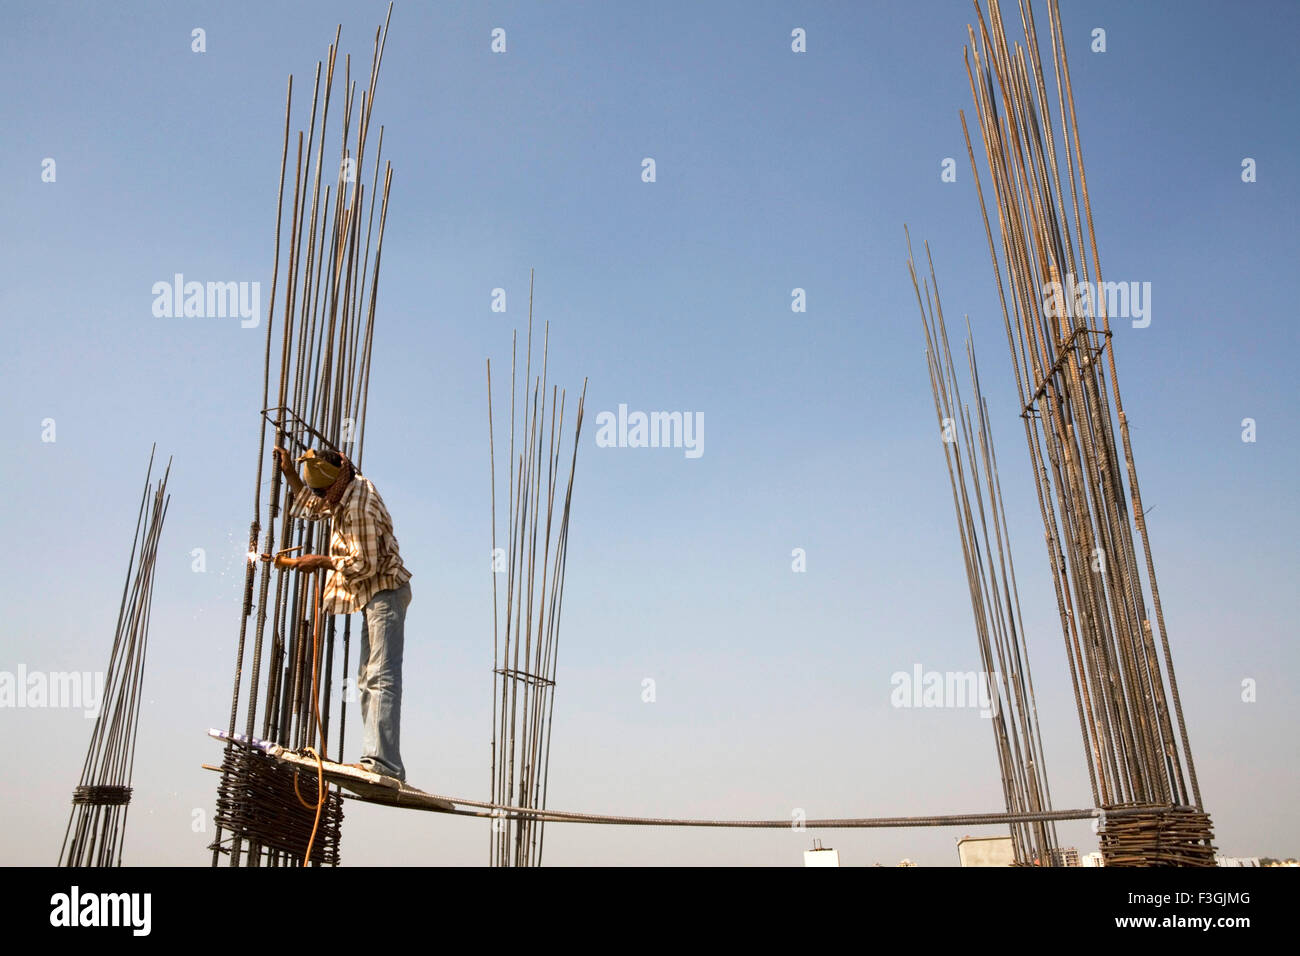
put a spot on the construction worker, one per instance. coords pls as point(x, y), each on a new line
point(366, 574)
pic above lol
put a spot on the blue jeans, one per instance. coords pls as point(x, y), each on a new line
point(379, 682)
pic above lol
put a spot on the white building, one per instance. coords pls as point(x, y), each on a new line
point(1065, 856)
point(986, 851)
point(821, 855)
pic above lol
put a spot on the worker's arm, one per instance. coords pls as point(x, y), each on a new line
point(359, 561)
point(285, 461)
point(304, 562)
point(305, 505)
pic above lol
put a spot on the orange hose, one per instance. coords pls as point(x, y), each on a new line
point(315, 704)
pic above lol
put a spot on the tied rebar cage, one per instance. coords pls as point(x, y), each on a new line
point(1076, 429)
point(97, 824)
point(327, 292)
point(526, 611)
point(991, 575)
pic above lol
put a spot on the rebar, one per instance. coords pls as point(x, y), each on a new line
point(526, 617)
point(327, 299)
point(259, 801)
point(1058, 330)
point(991, 576)
point(1157, 836)
point(97, 824)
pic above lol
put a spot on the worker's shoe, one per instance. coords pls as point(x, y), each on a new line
point(375, 768)
point(383, 769)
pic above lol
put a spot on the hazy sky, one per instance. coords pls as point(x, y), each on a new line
point(775, 171)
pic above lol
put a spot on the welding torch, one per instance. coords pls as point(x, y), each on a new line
point(253, 556)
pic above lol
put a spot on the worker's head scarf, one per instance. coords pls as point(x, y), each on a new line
point(317, 470)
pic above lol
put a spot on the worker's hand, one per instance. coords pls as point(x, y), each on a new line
point(283, 458)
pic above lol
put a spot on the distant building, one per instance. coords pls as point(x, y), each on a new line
point(1065, 856)
point(986, 851)
point(1236, 861)
point(821, 855)
point(1092, 859)
point(906, 862)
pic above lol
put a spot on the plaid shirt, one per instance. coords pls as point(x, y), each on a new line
point(363, 550)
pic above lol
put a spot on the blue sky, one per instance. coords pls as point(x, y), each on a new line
point(775, 170)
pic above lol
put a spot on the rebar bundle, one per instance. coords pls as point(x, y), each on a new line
point(1163, 836)
point(991, 575)
point(1062, 351)
point(97, 824)
point(330, 284)
point(526, 617)
point(261, 801)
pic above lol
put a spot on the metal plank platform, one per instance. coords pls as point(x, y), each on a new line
point(364, 785)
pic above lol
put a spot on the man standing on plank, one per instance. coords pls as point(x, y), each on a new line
point(366, 574)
